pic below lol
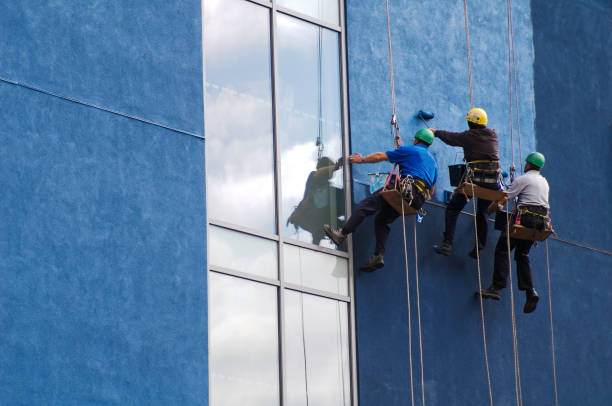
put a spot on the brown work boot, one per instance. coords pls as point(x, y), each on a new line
point(491, 293)
point(335, 235)
point(375, 262)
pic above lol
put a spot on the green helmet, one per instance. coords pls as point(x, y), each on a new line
point(425, 135)
point(536, 159)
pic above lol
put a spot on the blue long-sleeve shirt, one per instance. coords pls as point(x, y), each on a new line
point(416, 161)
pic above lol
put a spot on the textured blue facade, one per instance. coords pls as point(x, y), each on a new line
point(102, 217)
point(563, 70)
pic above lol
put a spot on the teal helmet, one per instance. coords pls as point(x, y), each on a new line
point(536, 159)
point(425, 135)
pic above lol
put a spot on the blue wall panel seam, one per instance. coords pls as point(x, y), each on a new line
point(142, 120)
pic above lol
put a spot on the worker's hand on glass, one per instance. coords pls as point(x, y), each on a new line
point(356, 158)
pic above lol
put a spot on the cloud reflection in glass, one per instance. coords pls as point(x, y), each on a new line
point(238, 119)
point(310, 132)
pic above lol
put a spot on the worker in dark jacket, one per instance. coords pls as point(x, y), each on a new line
point(416, 162)
point(480, 151)
point(531, 190)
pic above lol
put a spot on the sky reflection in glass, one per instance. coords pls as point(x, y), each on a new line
point(316, 270)
point(310, 132)
point(326, 10)
point(243, 342)
point(238, 119)
point(242, 252)
point(317, 356)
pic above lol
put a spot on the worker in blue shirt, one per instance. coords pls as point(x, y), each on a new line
point(414, 161)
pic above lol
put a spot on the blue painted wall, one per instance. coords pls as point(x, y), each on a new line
point(573, 88)
point(102, 249)
point(431, 73)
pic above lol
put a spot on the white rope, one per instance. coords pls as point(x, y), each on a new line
point(552, 334)
point(416, 272)
point(518, 116)
point(395, 131)
point(517, 377)
point(484, 333)
point(390, 60)
point(513, 98)
point(409, 314)
point(510, 93)
point(469, 59)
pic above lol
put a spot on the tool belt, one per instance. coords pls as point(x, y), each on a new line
point(414, 190)
point(483, 171)
point(532, 216)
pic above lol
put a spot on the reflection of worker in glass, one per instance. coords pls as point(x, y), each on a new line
point(321, 202)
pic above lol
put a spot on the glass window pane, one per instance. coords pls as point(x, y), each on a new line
point(326, 10)
point(310, 132)
point(238, 119)
point(243, 342)
point(242, 252)
point(317, 355)
point(315, 270)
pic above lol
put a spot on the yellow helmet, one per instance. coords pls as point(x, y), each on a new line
point(477, 116)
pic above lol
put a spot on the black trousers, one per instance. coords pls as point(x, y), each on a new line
point(457, 203)
point(386, 215)
point(502, 267)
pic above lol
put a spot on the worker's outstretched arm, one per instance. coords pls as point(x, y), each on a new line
point(450, 138)
point(368, 159)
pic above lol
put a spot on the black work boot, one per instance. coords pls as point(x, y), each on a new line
point(444, 248)
point(375, 262)
point(335, 235)
point(531, 300)
point(491, 293)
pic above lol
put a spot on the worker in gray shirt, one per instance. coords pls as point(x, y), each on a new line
point(532, 207)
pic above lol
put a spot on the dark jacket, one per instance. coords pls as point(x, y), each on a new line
point(478, 143)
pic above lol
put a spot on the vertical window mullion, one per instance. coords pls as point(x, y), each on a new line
point(347, 197)
point(277, 181)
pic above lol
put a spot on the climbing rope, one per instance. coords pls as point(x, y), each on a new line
point(552, 334)
point(517, 376)
point(513, 102)
point(409, 314)
point(469, 59)
point(518, 116)
point(416, 272)
point(395, 130)
point(484, 333)
point(510, 93)
point(319, 142)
